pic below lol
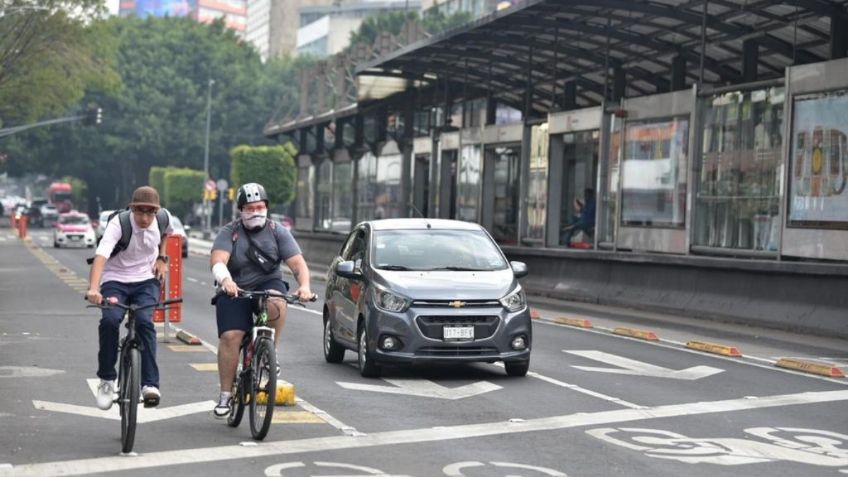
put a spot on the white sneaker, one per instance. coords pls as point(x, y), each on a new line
point(150, 395)
point(105, 394)
point(222, 410)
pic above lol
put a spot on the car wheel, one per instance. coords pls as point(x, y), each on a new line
point(333, 352)
point(55, 244)
point(367, 367)
point(517, 368)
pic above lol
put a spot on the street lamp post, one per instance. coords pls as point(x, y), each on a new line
point(207, 211)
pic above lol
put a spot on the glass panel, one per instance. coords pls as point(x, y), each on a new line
point(737, 204)
point(654, 173)
point(505, 219)
point(468, 188)
point(387, 203)
point(819, 160)
point(342, 209)
point(609, 199)
point(577, 210)
point(323, 192)
point(366, 185)
point(436, 249)
point(305, 199)
point(537, 185)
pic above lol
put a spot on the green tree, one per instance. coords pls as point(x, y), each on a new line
point(50, 54)
point(158, 116)
point(156, 178)
point(271, 166)
point(183, 187)
point(372, 26)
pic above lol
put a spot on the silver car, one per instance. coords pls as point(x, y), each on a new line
point(415, 291)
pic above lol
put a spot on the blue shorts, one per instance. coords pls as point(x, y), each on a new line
point(237, 313)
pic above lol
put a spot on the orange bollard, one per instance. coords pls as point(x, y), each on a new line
point(22, 226)
point(172, 287)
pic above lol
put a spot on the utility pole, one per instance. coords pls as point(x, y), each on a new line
point(207, 209)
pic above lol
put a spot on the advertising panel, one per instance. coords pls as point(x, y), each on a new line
point(161, 8)
point(819, 160)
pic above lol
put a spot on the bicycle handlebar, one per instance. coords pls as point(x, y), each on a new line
point(290, 299)
point(134, 307)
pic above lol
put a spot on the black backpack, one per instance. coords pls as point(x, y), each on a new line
point(163, 219)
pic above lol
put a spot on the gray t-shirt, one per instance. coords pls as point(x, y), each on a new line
point(273, 239)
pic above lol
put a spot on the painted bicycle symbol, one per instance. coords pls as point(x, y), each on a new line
point(775, 444)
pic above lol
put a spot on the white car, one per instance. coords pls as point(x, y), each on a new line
point(101, 222)
point(74, 230)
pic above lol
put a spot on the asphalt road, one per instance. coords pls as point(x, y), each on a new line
point(594, 404)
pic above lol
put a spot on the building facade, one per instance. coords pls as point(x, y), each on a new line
point(233, 11)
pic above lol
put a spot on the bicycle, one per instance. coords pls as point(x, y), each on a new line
point(255, 384)
point(129, 369)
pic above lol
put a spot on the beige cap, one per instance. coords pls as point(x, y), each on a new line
point(145, 196)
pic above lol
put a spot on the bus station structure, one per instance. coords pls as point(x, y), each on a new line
point(712, 134)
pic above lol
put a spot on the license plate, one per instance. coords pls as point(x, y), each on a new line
point(458, 332)
point(75, 237)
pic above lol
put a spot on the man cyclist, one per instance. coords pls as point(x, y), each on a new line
point(246, 255)
point(131, 276)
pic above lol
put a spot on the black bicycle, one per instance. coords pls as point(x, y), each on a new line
point(256, 376)
point(129, 369)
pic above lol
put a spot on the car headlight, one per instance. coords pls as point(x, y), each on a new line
point(389, 301)
point(515, 301)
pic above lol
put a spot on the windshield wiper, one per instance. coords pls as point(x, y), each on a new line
point(459, 269)
point(393, 267)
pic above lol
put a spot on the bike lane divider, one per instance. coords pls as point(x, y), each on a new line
point(810, 366)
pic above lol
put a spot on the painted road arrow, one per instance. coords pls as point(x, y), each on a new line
point(424, 388)
point(638, 368)
point(144, 414)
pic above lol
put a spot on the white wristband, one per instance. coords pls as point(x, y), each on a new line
point(220, 271)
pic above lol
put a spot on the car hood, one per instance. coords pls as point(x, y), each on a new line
point(73, 228)
point(448, 285)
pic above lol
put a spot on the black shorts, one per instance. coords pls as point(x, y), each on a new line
point(237, 313)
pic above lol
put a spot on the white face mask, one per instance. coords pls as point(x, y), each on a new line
point(254, 220)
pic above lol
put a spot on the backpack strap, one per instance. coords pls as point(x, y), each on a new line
point(163, 218)
point(126, 232)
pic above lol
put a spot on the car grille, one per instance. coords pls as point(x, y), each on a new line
point(457, 351)
point(432, 326)
point(453, 303)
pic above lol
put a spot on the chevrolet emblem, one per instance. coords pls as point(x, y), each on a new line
point(456, 304)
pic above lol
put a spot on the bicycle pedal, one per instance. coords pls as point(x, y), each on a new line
point(151, 402)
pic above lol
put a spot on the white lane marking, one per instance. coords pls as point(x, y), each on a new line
point(424, 388)
point(193, 280)
point(578, 389)
point(144, 414)
point(455, 470)
point(27, 372)
point(410, 436)
point(638, 368)
point(677, 346)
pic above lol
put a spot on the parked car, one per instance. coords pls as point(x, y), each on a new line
point(283, 219)
point(417, 291)
point(49, 213)
point(73, 229)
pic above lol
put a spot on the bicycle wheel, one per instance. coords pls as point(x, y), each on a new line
point(240, 385)
point(130, 388)
point(263, 393)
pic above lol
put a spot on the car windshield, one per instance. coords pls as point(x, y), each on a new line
point(435, 249)
point(73, 220)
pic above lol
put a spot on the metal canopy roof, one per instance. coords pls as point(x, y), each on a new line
point(546, 43)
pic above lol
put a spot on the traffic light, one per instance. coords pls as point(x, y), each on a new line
point(93, 117)
point(231, 194)
point(210, 194)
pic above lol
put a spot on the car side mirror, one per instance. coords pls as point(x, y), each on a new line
point(347, 269)
point(519, 269)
